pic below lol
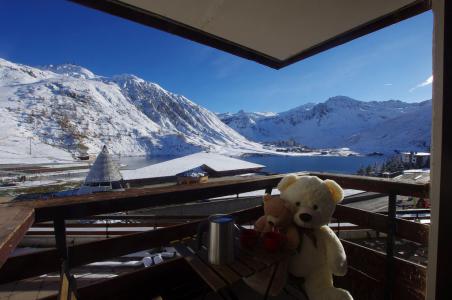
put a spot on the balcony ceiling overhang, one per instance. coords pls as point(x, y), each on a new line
point(270, 32)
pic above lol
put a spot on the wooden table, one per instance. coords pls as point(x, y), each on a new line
point(220, 278)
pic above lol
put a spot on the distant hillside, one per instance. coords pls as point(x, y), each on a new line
point(342, 122)
point(63, 109)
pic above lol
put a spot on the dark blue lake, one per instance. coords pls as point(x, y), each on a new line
point(282, 164)
point(335, 164)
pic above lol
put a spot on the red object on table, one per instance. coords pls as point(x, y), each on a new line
point(248, 238)
point(273, 241)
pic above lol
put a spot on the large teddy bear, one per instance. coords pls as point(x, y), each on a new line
point(320, 253)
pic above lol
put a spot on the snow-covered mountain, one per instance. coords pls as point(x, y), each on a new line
point(342, 122)
point(62, 109)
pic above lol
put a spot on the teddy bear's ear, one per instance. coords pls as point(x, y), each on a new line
point(286, 182)
point(267, 197)
point(335, 190)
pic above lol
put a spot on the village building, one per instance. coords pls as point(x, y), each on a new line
point(415, 159)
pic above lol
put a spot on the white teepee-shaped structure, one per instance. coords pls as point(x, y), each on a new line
point(103, 176)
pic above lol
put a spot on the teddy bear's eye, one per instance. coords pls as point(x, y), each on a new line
point(297, 203)
point(315, 207)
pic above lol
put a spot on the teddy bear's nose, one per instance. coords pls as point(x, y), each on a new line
point(305, 217)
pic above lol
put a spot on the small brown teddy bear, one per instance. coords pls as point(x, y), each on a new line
point(278, 216)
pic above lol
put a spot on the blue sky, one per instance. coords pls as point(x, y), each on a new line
point(393, 63)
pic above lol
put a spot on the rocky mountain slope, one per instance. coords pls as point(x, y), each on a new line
point(342, 122)
point(64, 109)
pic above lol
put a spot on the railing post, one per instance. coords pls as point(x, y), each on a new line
point(67, 281)
point(392, 210)
point(60, 238)
point(268, 190)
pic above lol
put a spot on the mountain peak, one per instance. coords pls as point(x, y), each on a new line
point(71, 70)
point(341, 100)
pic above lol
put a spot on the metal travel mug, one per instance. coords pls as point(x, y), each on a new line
point(220, 242)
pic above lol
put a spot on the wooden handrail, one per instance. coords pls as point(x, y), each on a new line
point(14, 223)
point(409, 230)
point(377, 184)
point(86, 205)
point(109, 202)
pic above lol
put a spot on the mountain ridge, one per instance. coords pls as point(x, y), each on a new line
point(342, 121)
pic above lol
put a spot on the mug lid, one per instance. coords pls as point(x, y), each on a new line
point(221, 218)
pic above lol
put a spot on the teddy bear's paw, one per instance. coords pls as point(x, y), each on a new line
point(336, 294)
point(342, 295)
point(339, 267)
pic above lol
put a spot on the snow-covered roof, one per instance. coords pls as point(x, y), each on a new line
point(216, 162)
point(104, 169)
point(414, 175)
point(422, 154)
point(417, 153)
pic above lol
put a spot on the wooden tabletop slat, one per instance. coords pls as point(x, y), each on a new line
point(250, 261)
point(209, 277)
point(240, 268)
point(14, 223)
point(260, 255)
point(223, 270)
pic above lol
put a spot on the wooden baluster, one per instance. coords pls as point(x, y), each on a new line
point(67, 281)
point(392, 209)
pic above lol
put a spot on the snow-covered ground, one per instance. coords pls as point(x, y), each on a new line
point(15, 145)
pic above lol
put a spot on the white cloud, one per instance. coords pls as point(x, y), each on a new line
point(388, 84)
point(426, 82)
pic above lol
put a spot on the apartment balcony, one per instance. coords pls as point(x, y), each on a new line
point(372, 273)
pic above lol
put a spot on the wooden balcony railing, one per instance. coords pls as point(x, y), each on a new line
point(372, 274)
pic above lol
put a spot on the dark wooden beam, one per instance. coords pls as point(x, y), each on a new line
point(14, 223)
